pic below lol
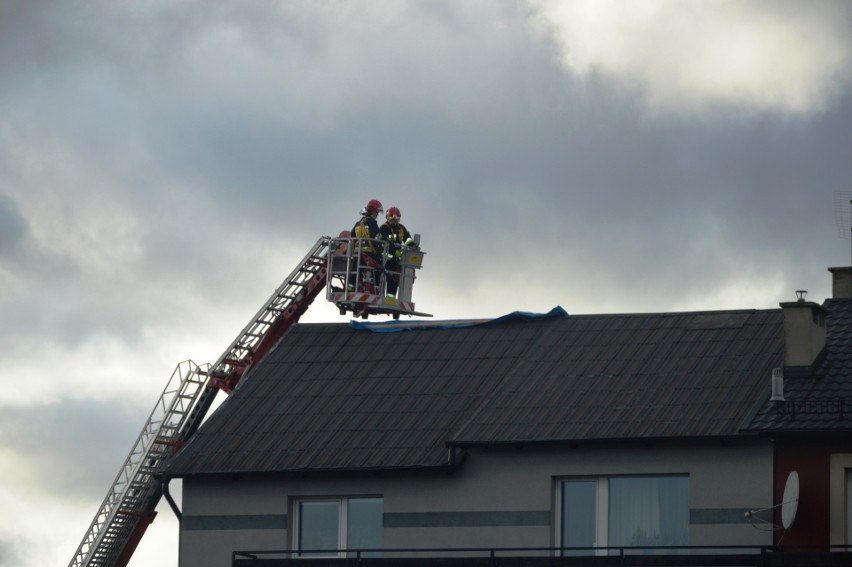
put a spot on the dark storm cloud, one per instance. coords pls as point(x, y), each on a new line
point(634, 197)
point(312, 133)
point(462, 117)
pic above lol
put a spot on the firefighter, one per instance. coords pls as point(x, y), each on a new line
point(395, 235)
point(366, 233)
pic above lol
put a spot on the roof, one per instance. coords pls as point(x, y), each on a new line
point(335, 397)
point(819, 401)
point(680, 375)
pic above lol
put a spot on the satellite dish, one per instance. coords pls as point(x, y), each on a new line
point(790, 500)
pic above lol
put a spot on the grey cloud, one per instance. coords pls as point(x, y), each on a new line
point(13, 227)
point(20, 255)
point(76, 447)
point(736, 55)
point(12, 552)
point(514, 142)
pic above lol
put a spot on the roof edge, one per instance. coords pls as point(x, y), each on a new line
point(444, 468)
point(745, 435)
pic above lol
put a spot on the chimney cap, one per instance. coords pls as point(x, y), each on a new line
point(801, 294)
point(800, 304)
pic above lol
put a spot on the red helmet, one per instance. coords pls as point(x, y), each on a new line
point(393, 214)
point(373, 207)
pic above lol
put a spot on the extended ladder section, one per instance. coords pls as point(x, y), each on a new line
point(127, 508)
point(130, 504)
point(282, 310)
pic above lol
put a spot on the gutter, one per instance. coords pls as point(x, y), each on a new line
point(607, 441)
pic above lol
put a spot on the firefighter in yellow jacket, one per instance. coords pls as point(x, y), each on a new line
point(395, 235)
point(366, 236)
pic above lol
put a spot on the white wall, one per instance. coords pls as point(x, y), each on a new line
point(498, 498)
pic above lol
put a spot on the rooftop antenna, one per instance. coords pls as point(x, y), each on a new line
point(843, 214)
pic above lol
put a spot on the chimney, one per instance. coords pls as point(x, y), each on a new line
point(841, 283)
point(804, 332)
point(777, 385)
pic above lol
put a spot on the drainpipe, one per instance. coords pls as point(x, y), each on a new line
point(164, 483)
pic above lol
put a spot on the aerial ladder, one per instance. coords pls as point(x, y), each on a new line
point(130, 504)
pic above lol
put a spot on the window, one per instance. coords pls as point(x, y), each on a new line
point(840, 490)
point(326, 526)
point(623, 511)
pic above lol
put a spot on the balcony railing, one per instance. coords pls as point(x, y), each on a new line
point(648, 556)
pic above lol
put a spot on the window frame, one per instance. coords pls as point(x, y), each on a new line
point(602, 507)
point(840, 465)
point(342, 524)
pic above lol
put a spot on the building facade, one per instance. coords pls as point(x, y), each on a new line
point(536, 435)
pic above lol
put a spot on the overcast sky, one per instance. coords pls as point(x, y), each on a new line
point(165, 164)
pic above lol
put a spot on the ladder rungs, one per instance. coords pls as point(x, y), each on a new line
point(136, 489)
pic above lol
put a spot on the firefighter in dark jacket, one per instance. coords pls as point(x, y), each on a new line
point(366, 237)
point(395, 235)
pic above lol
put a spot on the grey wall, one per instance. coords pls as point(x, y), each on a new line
point(498, 498)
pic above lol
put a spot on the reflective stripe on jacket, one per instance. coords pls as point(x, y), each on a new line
point(367, 229)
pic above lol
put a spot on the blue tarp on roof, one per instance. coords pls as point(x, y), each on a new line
point(395, 326)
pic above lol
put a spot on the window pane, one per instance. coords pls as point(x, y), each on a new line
point(649, 511)
point(318, 526)
point(578, 515)
point(364, 525)
point(848, 507)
